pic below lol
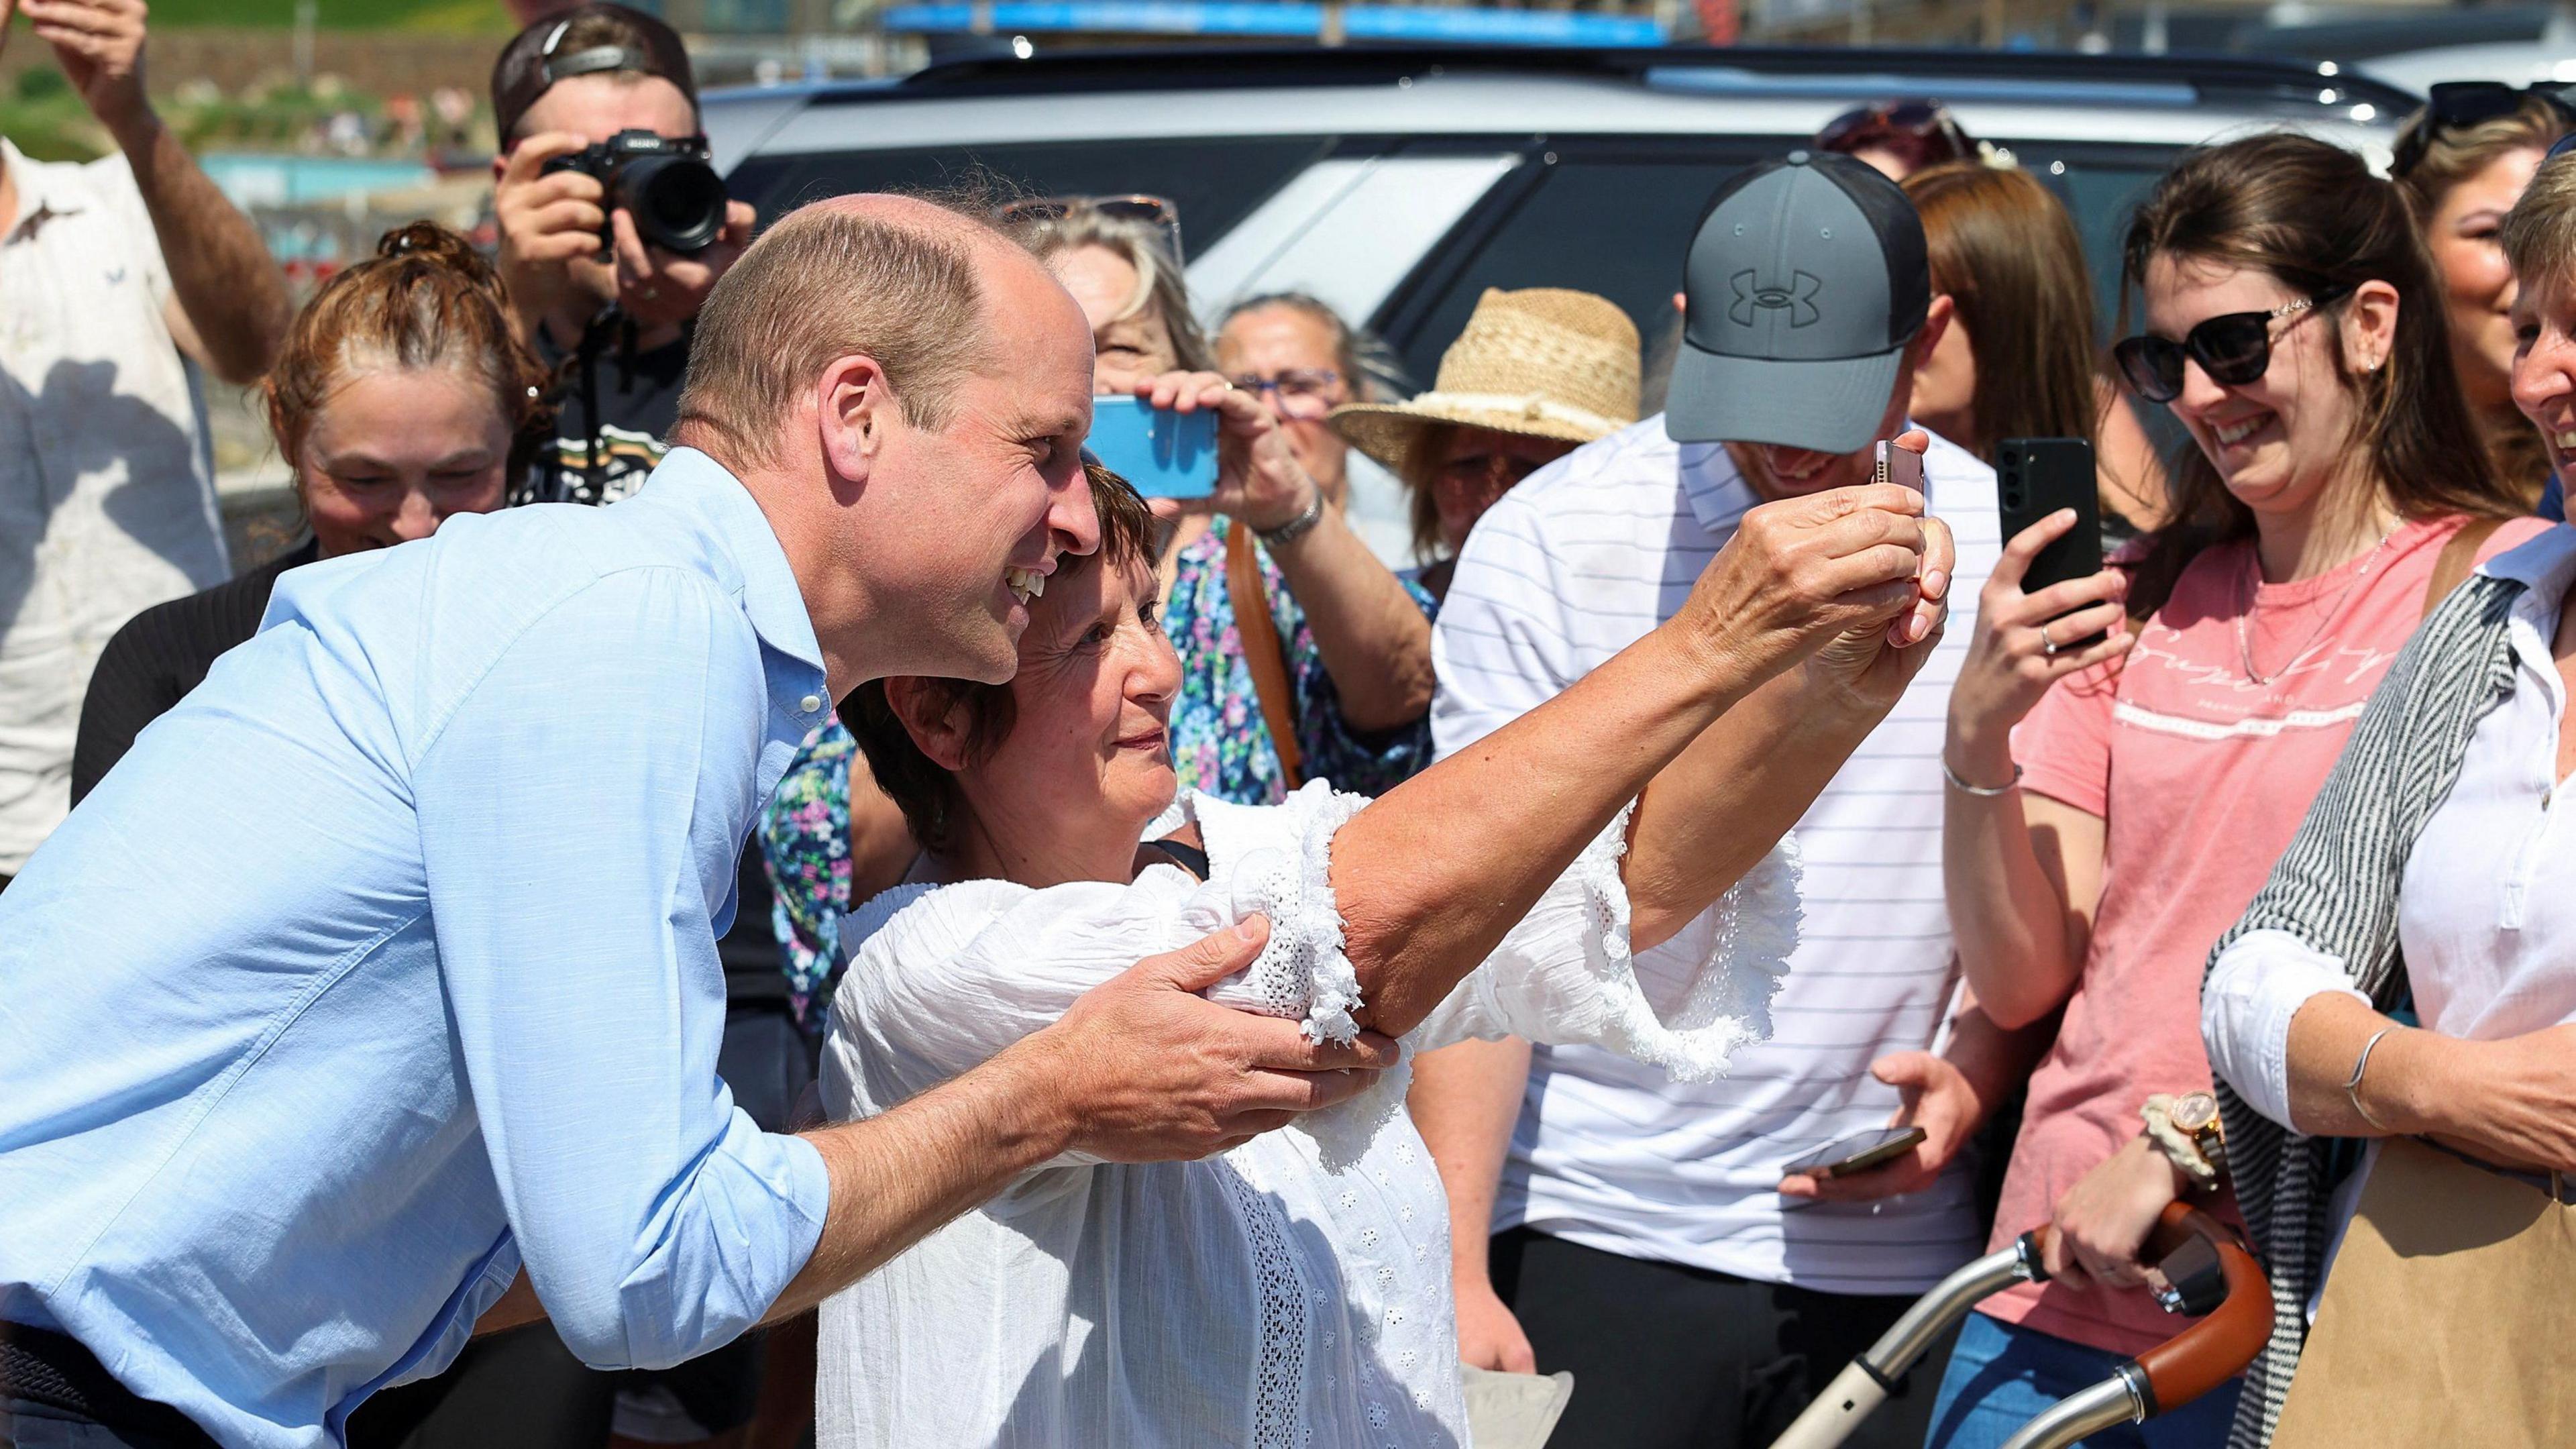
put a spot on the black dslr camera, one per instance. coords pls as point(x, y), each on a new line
point(664, 182)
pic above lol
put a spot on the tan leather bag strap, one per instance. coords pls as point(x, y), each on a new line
point(1263, 653)
point(2457, 559)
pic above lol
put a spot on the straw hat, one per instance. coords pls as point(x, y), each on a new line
point(1543, 362)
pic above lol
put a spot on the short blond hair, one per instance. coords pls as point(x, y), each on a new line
point(2539, 234)
point(1162, 287)
point(829, 282)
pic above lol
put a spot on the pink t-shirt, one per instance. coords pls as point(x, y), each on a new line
point(2201, 776)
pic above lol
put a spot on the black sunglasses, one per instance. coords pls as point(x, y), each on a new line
point(1154, 211)
point(2458, 105)
point(2234, 349)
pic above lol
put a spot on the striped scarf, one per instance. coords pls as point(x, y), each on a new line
point(2336, 890)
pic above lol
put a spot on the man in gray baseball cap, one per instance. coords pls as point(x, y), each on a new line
point(1809, 295)
point(1646, 1233)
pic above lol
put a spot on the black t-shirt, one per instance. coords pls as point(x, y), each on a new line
point(639, 400)
point(161, 654)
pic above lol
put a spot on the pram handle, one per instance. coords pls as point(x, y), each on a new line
point(2182, 1368)
point(2166, 1377)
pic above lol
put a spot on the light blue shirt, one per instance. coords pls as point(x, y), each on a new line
point(386, 963)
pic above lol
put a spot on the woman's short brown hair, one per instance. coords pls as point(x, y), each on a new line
point(427, 299)
point(927, 792)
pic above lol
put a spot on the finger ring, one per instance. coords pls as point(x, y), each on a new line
point(2046, 644)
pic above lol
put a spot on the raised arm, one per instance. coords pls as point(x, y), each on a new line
point(1430, 878)
point(2023, 871)
point(1372, 637)
point(229, 308)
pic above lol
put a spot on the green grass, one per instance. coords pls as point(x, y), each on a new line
point(446, 17)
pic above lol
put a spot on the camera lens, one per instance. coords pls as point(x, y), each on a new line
point(678, 202)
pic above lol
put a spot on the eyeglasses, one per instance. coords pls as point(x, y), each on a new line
point(1925, 130)
point(1484, 477)
point(2458, 105)
point(1300, 394)
point(2234, 349)
point(1154, 211)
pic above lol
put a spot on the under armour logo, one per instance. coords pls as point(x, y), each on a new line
point(1799, 297)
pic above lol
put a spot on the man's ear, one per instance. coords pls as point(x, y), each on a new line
point(855, 411)
point(931, 718)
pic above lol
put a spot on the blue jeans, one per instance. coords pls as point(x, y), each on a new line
point(2001, 1377)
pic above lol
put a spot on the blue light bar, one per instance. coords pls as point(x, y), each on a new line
point(1275, 19)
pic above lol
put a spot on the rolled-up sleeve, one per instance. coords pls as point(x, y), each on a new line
point(575, 859)
point(2254, 988)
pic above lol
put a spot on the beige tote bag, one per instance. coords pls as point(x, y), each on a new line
point(2449, 1317)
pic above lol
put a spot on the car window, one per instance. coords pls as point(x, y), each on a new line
point(1215, 182)
point(1618, 224)
point(1606, 223)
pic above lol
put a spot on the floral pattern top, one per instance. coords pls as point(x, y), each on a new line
point(1220, 746)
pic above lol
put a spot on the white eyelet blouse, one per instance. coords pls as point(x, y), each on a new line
point(1293, 1291)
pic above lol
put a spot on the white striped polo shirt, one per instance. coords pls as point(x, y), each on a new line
point(1569, 568)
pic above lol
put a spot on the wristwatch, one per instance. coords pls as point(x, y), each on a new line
point(2195, 1115)
point(1295, 528)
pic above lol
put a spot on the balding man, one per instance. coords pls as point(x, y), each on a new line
point(384, 967)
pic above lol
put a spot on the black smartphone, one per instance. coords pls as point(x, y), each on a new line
point(1859, 1152)
point(2035, 477)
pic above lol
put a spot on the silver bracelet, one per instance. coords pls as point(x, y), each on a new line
point(1982, 792)
point(1295, 528)
point(2352, 1089)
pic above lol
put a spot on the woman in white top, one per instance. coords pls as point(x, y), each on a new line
point(2432, 868)
point(1295, 1289)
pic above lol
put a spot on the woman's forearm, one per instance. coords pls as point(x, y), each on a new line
point(1431, 877)
point(1372, 637)
point(1465, 1099)
point(2020, 875)
point(1718, 809)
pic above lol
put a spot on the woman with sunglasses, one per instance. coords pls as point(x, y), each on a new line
point(2461, 163)
point(2103, 831)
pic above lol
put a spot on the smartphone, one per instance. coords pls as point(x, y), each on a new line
point(1859, 1152)
point(2035, 477)
point(1905, 466)
point(1165, 454)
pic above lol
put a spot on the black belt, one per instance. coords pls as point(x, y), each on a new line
point(51, 1369)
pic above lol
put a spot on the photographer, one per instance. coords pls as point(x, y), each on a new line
point(609, 308)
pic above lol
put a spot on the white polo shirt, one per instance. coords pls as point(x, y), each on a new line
point(1569, 568)
point(107, 478)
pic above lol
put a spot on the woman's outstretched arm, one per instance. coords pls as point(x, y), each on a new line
point(1430, 878)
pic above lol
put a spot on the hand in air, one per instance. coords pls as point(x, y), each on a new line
point(1259, 481)
point(1862, 564)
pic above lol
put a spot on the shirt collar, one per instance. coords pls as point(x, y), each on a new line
point(1713, 486)
point(2544, 566)
point(742, 544)
point(33, 196)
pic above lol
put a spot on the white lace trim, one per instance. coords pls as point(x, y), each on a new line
point(1728, 1004)
point(1279, 1367)
point(1303, 972)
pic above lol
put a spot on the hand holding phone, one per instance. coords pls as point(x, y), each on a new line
point(1857, 1153)
point(1165, 454)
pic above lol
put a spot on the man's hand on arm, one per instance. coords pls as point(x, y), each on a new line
point(1142, 1069)
point(228, 308)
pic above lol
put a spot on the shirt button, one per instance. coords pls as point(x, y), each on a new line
point(810, 703)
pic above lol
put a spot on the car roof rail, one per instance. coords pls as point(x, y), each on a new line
point(2298, 87)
